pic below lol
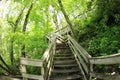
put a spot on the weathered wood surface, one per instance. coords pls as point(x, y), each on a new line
point(31, 62)
point(80, 66)
point(48, 58)
point(105, 77)
point(8, 78)
point(38, 77)
point(111, 59)
point(59, 33)
point(82, 51)
point(80, 59)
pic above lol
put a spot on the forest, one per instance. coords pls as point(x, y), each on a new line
point(25, 24)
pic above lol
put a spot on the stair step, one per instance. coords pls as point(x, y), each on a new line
point(64, 57)
point(62, 48)
point(65, 70)
point(60, 54)
point(61, 44)
point(63, 51)
point(66, 65)
point(64, 62)
point(72, 77)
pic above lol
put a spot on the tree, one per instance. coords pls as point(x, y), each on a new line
point(66, 17)
point(24, 28)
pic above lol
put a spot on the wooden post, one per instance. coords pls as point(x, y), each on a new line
point(91, 70)
point(23, 70)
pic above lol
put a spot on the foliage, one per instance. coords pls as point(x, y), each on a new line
point(35, 36)
point(95, 23)
point(99, 31)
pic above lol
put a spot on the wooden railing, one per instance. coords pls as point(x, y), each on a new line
point(82, 57)
point(45, 63)
point(105, 60)
point(59, 33)
point(110, 59)
point(48, 59)
point(84, 60)
point(31, 62)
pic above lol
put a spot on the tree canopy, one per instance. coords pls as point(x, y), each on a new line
point(24, 25)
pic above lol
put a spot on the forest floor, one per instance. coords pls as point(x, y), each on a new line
point(8, 78)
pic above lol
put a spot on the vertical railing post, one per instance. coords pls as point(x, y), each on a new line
point(42, 70)
point(91, 70)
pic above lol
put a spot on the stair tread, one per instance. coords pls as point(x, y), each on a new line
point(63, 51)
point(65, 65)
point(59, 57)
point(63, 61)
point(66, 77)
point(64, 70)
point(63, 54)
point(64, 48)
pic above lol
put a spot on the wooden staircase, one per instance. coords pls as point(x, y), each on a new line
point(64, 64)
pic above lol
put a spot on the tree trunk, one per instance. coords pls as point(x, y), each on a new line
point(24, 29)
point(6, 68)
point(66, 17)
point(12, 39)
point(12, 52)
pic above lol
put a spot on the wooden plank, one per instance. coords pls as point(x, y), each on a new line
point(30, 76)
point(91, 70)
point(80, 59)
point(47, 53)
point(82, 71)
point(81, 48)
point(31, 62)
point(82, 52)
point(111, 59)
point(23, 68)
point(105, 76)
point(59, 33)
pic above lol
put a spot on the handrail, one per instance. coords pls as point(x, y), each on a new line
point(31, 62)
point(81, 56)
point(110, 59)
point(84, 60)
point(48, 58)
point(59, 32)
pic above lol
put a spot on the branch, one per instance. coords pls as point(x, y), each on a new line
point(18, 19)
point(26, 18)
point(85, 12)
point(1, 59)
point(24, 29)
point(66, 17)
point(5, 68)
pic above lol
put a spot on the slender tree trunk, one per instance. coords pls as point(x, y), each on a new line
point(12, 39)
point(24, 29)
point(12, 52)
point(6, 68)
point(66, 17)
point(18, 20)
